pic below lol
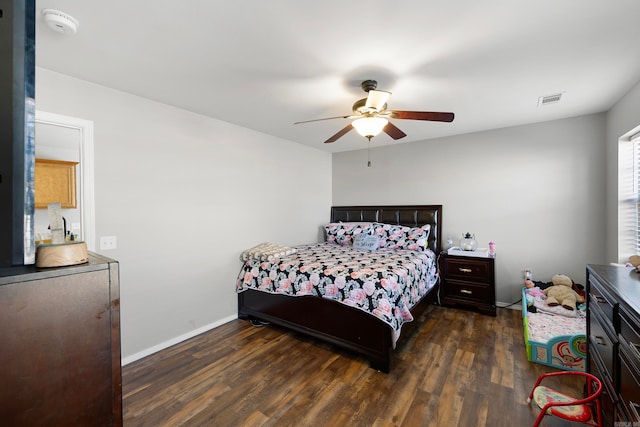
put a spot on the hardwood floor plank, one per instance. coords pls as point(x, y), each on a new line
point(452, 368)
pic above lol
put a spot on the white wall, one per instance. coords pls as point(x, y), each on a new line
point(184, 195)
point(621, 118)
point(537, 190)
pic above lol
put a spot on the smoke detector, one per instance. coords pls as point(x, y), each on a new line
point(60, 21)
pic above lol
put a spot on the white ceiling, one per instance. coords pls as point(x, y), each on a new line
point(264, 65)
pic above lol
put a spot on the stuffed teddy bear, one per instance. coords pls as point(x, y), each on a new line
point(562, 293)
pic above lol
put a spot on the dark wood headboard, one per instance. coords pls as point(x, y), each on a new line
point(409, 215)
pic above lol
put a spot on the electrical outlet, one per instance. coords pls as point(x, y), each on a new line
point(107, 243)
point(75, 226)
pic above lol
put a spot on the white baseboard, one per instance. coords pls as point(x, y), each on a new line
point(173, 341)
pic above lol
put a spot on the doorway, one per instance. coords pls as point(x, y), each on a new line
point(61, 137)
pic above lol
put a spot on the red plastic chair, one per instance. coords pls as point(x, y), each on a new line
point(557, 404)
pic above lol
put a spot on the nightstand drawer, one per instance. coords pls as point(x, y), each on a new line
point(475, 292)
point(469, 269)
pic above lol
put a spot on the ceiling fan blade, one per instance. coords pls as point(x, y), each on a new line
point(376, 99)
point(340, 134)
point(393, 131)
point(326, 118)
point(433, 116)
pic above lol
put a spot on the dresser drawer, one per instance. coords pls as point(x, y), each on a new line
point(480, 270)
point(601, 299)
point(609, 396)
point(602, 343)
point(470, 291)
point(630, 331)
point(630, 383)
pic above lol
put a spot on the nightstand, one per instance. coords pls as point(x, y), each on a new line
point(468, 281)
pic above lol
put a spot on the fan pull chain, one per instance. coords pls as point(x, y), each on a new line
point(369, 153)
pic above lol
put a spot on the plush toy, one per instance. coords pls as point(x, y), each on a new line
point(562, 293)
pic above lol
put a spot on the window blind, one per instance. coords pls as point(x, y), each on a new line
point(635, 140)
point(629, 193)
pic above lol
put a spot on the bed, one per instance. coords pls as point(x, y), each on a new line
point(553, 336)
point(346, 324)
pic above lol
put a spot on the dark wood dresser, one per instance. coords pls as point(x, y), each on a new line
point(613, 328)
point(60, 345)
point(468, 281)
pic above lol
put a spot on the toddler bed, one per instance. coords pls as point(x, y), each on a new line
point(553, 336)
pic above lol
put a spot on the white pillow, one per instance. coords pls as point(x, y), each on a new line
point(365, 242)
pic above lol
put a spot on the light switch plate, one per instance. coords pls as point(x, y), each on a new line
point(107, 243)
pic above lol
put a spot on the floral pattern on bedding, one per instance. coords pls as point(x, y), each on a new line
point(386, 283)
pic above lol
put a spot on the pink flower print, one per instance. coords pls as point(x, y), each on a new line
point(314, 279)
point(369, 287)
point(266, 284)
point(394, 284)
point(383, 309)
point(357, 295)
point(341, 282)
point(396, 234)
point(384, 283)
point(285, 284)
point(305, 288)
point(331, 290)
point(273, 275)
point(248, 277)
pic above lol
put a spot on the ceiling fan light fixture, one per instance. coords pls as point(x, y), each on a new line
point(369, 126)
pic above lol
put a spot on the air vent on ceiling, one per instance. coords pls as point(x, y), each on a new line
point(549, 99)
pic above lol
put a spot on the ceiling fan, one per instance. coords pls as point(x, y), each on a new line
point(372, 116)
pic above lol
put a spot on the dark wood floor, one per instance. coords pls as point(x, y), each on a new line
point(454, 368)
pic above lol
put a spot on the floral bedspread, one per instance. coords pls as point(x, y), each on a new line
point(386, 283)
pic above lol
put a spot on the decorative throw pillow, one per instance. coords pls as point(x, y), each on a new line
point(402, 237)
point(417, 238)
point(343, 233)
point(365, 242)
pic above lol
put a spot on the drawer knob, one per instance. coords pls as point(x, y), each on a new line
point(465, 270)
point(464, 291)
point(600, 299)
